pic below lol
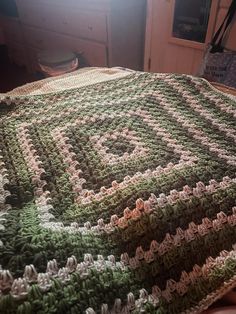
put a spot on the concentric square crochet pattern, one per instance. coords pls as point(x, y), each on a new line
point(118, 197)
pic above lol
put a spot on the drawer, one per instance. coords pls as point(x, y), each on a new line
point(17, 53)
point(100, 5)
point(94, 53)
point(12, 30)
point(30, 15)
point(36, 15)
point(64, 19)
point(83, 24)
point(38, 38)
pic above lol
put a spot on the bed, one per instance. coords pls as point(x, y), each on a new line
point(117, 194)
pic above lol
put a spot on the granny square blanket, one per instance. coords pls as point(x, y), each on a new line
point(118, 197)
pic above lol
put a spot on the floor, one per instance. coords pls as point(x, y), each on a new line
point(11, 75)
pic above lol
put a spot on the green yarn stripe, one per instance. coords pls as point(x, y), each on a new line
point(119, 197)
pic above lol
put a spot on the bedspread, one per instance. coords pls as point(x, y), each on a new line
point(118, 197)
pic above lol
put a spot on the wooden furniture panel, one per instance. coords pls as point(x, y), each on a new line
point(197, 61)
point(34, 15)
point(14, 39)
point(86, 24)
point(38, 38)
point(165, 53)
point(127, 32)
point(230, 42)
point(12, 30)
point(90, 25)
point(225, 3)
point(94, 53)
point(17, 53)
point(98, 5)
point(155, 44)
point(106, 32)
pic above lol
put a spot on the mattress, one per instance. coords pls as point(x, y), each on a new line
point(118, 194)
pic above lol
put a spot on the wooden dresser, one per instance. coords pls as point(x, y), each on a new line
point(105, 32)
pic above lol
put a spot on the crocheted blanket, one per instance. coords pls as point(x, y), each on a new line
point(118, 197)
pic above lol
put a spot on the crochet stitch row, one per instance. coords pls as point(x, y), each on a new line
point(118, 197)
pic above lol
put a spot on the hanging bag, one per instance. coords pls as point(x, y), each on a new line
point(219, 64)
